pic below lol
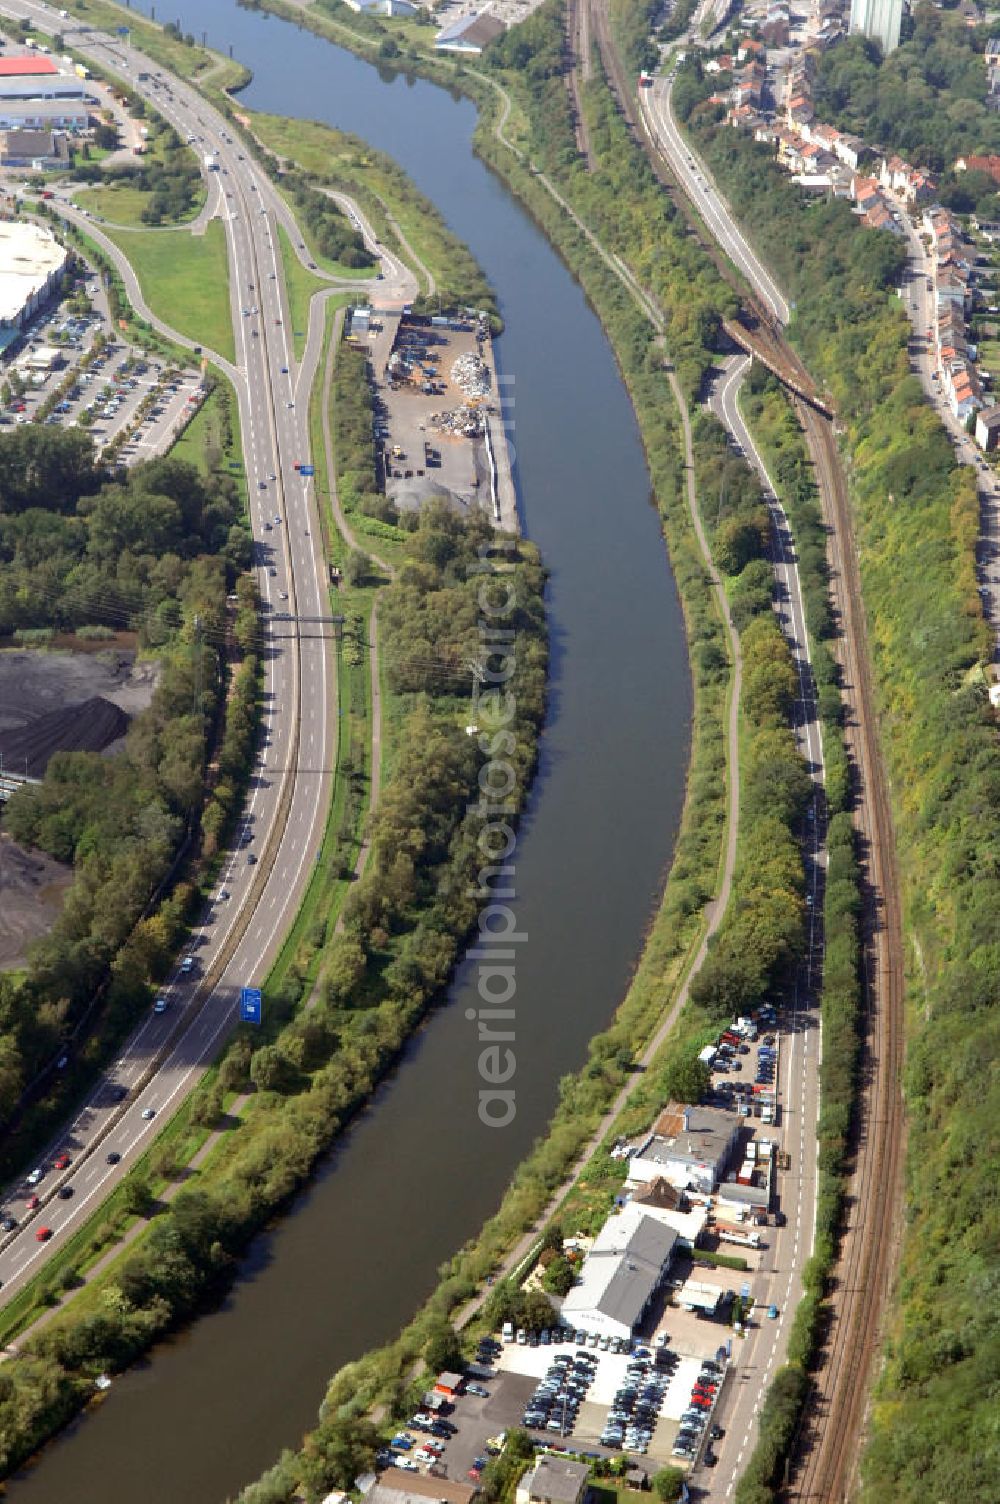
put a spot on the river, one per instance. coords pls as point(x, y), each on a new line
point(419, 1173)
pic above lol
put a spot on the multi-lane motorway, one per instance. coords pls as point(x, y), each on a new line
point(255, 901)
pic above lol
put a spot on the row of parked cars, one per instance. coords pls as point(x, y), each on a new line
point(555, 1335)
point(637, 1403)
point(556, 1402)
point(696, 1417)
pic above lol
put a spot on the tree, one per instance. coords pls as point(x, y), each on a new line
point(442, 1350)
point(668, 1483)
point(559, 1277)
point(336, 1453)
point(357, 567)
point(685, 1079)
point(137, 1196)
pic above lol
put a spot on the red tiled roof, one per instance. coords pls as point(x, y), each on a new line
point(24, 67)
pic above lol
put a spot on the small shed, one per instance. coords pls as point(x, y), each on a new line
point(448, 1384)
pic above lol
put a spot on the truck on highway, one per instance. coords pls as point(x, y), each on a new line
point(211, 165)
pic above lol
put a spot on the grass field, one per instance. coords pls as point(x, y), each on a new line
point(185, 280)
point(301, 285)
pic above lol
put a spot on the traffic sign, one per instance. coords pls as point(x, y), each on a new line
point(251, 1006)
point(307, 469)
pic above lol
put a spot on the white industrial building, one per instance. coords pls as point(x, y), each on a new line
point(32, 263)
point(878, 19)
point(55, 86)
point(689, 1147)
point(622, 1272)
point(44, 114)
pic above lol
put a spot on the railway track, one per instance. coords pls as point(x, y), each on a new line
point(825, 1458)
point(827, 1447)
point(578, 68)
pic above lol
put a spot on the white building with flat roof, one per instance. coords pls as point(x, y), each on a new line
point(32, 263)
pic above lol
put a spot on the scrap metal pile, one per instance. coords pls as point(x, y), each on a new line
point(465, 421)
point(471, 375)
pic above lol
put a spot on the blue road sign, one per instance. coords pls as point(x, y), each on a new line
point(122, 31)
point(251, 1006)
point(307, 469)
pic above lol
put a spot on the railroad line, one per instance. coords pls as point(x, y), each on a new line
point(578, 69)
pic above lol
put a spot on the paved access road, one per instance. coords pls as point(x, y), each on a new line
point(285, 812)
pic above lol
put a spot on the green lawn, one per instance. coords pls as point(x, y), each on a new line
point(185, 280)
point(301, 286)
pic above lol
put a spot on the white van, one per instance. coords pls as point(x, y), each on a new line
point(507, 1331)
point(522, 1337)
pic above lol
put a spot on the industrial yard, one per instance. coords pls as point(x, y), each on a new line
point(439, 423)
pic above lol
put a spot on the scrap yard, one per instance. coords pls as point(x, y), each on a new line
point(439, 420)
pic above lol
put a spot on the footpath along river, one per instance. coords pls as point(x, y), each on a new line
point(419, 1174)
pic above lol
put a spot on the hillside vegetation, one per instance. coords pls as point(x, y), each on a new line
point(917, 521)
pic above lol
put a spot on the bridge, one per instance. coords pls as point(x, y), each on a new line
point(755, 343)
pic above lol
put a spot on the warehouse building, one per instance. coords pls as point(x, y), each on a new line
point(44, 114)
point(470, 34)
point(32, 263)
point(621, 1274)
point(55, 86)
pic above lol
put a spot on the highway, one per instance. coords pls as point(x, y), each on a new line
point(263, 879)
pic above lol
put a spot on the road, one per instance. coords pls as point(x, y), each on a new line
point(779, 1278)
point(828, 1443)
point(920, 305)
point(285, 813)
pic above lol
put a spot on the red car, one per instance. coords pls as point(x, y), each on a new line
point(61, 1162)
point(43, 1234)
point(702, 1401)
point(33, 1202)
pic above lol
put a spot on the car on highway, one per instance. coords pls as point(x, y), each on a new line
point(65, 1192)
point(43, 1235)
point(148, 1113)
point(160, 1006)
point(284, 370)
point(61, 1161)
point(33, 1202)
point(772, 1312)
point(187, 966)
point(37, 1175)
point(7, 1223)
point(114, 1158)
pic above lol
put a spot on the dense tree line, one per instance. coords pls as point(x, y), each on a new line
point(332, 233)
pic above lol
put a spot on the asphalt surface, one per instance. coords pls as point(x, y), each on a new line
point(167, 1054)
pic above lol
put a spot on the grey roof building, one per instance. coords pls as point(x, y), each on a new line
point(621, 1273)
point(553, 1480)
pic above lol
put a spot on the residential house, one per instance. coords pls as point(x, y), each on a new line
point(554, 1480)
point(988, 428)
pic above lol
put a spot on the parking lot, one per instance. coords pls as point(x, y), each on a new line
point(108, 392)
